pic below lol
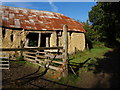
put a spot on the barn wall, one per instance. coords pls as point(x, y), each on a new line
point(76, 41)
point(0, 37)
point(13, 38)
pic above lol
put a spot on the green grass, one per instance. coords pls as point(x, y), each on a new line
point(80, 57)
point(90, 56)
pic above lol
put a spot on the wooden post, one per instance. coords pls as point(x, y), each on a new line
point(47, 41)
point(39, 39)
point(65, 48)
point(26, 42)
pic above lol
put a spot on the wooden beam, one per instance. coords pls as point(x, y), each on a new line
point(65, 54)
point(30, 52)
point(26, 42)
point(28, 59)
point(41, 56)
point(27, 49)
point(29, 56)
point(47, 41)
point(39, 39)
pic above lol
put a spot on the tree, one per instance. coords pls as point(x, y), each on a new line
point(105, 18)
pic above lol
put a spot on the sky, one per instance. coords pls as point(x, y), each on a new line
point(75, 10)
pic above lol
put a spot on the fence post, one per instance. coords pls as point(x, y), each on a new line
point(65, 53)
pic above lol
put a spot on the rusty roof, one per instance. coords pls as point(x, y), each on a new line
point(30, 19)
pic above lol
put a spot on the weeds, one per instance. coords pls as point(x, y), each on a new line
point(19, 58)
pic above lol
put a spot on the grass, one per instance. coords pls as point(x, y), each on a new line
point(81, 57)
point(85, 61)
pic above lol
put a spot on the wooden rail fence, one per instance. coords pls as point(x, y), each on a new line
point(48, 57)
point(4, 61)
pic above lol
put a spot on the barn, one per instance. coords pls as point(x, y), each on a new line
point(21, 27)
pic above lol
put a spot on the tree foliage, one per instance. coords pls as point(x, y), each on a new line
point(105, 19)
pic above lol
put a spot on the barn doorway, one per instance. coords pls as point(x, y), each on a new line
point(45, 40)
point(33, 39)
point(38, 40)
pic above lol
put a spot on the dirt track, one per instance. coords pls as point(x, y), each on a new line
point(24, 76)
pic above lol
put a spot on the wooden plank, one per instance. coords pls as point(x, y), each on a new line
point(4, 53)
point(30, 52)
point(3, 61)
point(50, 67)
point(58, 62)
point(54, 56)
point(40, 56)
point(54, 50)
point(27, 49)
point(4, 57)
point(40, 61)
point(42, 52)
point(4, 64)
point(28, 59)
point(4, 68)
point(30, 56)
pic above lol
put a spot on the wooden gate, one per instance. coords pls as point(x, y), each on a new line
point(51, 58)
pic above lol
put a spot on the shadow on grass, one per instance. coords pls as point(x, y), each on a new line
point(74, 67)
point(110, 65)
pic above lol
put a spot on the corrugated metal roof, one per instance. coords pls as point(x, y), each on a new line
point(13, 17)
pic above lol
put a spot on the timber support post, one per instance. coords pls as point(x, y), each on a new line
point(39, 39)
point(65, 54)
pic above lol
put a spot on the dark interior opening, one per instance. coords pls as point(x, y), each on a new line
point(11, 38)
point(33, 39)
point(43, 40)
point(3, 32)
